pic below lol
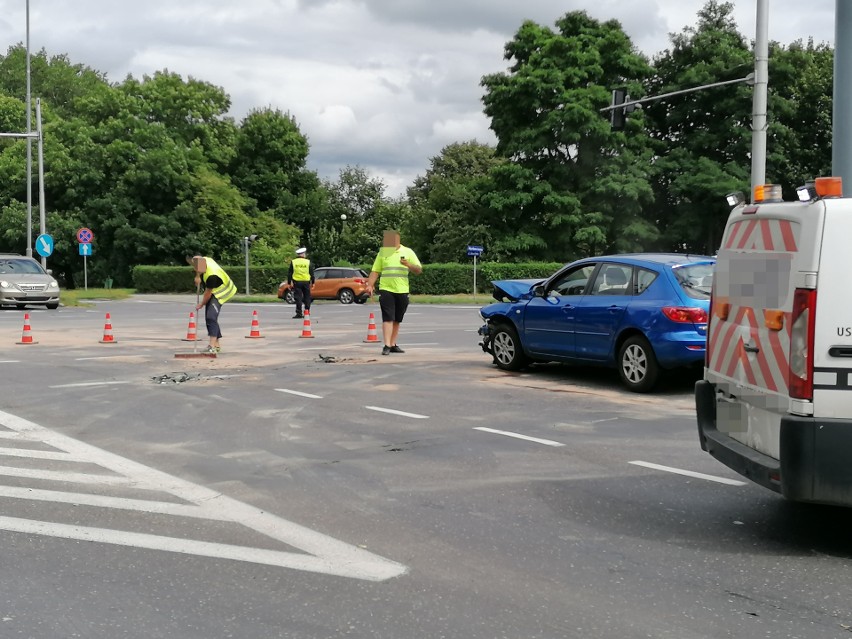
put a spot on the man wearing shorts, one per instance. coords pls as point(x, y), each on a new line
point(393, 263)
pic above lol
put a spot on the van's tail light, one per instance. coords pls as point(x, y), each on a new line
point(801, 381)
point(685, 314)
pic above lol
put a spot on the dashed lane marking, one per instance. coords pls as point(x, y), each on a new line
point(86, 384)
point(391, 411)
point(689, 473)
point(299, 393)
point(537, 440)
point(319, 552)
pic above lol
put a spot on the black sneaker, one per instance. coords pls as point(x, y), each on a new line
point(396, 349)
point(386, 350)
point(297, 316)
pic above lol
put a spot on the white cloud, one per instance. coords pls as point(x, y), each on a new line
point(380, 83)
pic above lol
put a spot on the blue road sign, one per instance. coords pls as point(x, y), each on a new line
point(85, 249)
point(474, 250)
point(44, 245)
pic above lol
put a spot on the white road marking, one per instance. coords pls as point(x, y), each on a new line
point(11, 361)
point(36, 454)
point(397, 412)
point(689, 473)
point(299, 393)
point(84, 359)
point(102, 501)
point(83, 384)
point(318, 552)
point(546, 442)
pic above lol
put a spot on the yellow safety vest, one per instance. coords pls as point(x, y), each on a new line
point(394, 275)
point(227, 290)
point(301, 269)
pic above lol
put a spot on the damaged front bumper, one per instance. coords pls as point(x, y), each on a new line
point(485, 332)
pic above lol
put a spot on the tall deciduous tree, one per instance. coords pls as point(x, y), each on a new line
point(572, 184)
point(702, 139)
point(447, 208)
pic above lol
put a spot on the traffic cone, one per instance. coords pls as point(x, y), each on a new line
point(108, 338)
point(192, 330)
point(306, 325)
point(372, 336)
point(255, 327)
point(26, 336)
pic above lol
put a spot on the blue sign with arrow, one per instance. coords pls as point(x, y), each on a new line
point(44, 245)
point(85, 249)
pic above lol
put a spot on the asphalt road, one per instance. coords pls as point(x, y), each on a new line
point(311, 488)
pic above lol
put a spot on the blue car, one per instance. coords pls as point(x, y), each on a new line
point(639, 314)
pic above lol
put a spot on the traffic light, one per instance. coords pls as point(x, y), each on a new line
point(618, 117)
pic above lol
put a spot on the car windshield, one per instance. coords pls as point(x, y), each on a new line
point(695, 279)
point(12, 266)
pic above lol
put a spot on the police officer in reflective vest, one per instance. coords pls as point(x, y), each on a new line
point(218, 289)
point(301, 278)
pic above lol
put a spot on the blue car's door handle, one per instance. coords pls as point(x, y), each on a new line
point(615, 309)
point(567, 308)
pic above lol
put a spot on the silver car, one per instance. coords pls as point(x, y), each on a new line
point(24, 282)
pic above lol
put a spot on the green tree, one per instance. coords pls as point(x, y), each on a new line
point(447, 208)
point(572, 184)
point(702, 139)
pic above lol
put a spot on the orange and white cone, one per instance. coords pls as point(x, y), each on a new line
point(26, 336)
point(372, 335)
point(306, 325)
point(108, 337)
point(192, 329)
point(255, 327)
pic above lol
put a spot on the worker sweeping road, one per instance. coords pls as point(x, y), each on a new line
point(218, 289)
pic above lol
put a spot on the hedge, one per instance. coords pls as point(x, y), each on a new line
point(436, 279)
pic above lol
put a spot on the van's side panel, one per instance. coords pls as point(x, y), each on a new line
point(833, 332)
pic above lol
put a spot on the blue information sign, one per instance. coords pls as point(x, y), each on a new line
point(85, 249)
point(474, 251)
point(44, 245)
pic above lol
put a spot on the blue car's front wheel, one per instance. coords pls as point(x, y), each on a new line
point(506, 348)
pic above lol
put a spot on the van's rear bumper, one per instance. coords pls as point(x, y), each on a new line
point(816, 454)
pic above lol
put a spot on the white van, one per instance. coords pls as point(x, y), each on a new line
point(775, 404)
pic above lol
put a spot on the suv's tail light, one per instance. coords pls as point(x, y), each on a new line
point(685, 314)
point(801, 381)
point(360, 280)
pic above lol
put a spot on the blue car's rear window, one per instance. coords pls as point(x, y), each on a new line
point(695, 279)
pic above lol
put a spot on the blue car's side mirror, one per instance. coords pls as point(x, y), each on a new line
point(538, 291)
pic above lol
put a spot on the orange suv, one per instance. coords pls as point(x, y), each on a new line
point(332, 283)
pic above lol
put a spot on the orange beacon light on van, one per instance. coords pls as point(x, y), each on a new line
point(829, 186)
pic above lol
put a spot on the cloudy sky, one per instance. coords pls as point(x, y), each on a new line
point(384, 84)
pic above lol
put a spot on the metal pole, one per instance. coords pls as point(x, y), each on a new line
point(246, 248)
point(41, 207)
point(85, 274)
point(759, 100)
point(29, 147)
point(474, 279)
point(841, 153)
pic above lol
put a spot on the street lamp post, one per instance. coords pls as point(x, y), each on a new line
point(29, 251)
point(343, 231)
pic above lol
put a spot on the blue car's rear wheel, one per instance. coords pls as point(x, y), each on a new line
point(637, 364)
point(506, 348)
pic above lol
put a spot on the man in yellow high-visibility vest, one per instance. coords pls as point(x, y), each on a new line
point(218, 289)
point(394, 262)
point(301, 278)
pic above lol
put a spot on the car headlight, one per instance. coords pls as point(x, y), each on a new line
point(53, 284)
point(5, 284)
